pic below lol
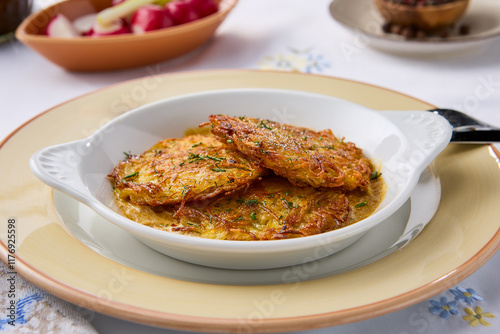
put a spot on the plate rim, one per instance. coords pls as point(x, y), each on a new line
point(186, 322)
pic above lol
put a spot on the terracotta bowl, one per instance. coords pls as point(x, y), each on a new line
point(423, 17)
point(114, 52)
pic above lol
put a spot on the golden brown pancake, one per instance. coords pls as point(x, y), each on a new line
point(195, 167)
point(303, 156)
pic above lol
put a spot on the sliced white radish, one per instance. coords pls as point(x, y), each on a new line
point(60, 26)
point(117, 27)
point(121, 10)
point(84, 23)
point(150, 17)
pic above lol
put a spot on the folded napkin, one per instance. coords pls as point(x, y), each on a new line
point(28, 309)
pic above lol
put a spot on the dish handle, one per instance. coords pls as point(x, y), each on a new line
point(426, 134)
point(58, 167)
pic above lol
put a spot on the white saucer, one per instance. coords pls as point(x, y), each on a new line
point(362, 18)
point(120, 246)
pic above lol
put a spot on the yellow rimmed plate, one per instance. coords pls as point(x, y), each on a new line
point(463, 234)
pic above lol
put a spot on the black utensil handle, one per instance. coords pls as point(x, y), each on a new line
point(476, 137)
point(457, 118)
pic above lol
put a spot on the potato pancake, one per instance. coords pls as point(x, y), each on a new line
point(269, 209)
point(195, 167)
point(303, 156)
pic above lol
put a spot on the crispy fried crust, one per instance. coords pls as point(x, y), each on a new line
point(303, 156)
point(272, 208)
point(173, 171)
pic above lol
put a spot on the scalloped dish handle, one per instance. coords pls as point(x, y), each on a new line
point(427, 134)
point(57, 166)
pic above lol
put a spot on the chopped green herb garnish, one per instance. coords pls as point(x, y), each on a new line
point(217, 169)
point(290, 204)
point(131, 175)
point(330, 147)
point(252, 202)
point(229, 141)
point(374, 175)
point(215, 158)
point(359, 205)
point(194, 157)
point(193, 224)
point(252, 215)
point(127, 155)
point(184, 188)
point(197, 144)
point(264, 125)
point(237, 219)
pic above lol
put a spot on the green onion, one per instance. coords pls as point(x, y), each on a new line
point(359, 205)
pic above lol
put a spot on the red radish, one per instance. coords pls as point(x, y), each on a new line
point(118, 27)
point(84, 23)
point(150, 17)
point(60, 26)
point(181, 12)
point(204, 7)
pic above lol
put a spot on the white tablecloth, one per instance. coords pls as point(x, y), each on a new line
point(295, 35)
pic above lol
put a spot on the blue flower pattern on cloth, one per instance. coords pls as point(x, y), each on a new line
point(29, 309)
point(444, 308)
point(294, 60)
point(467, 296)
point(23, 309)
